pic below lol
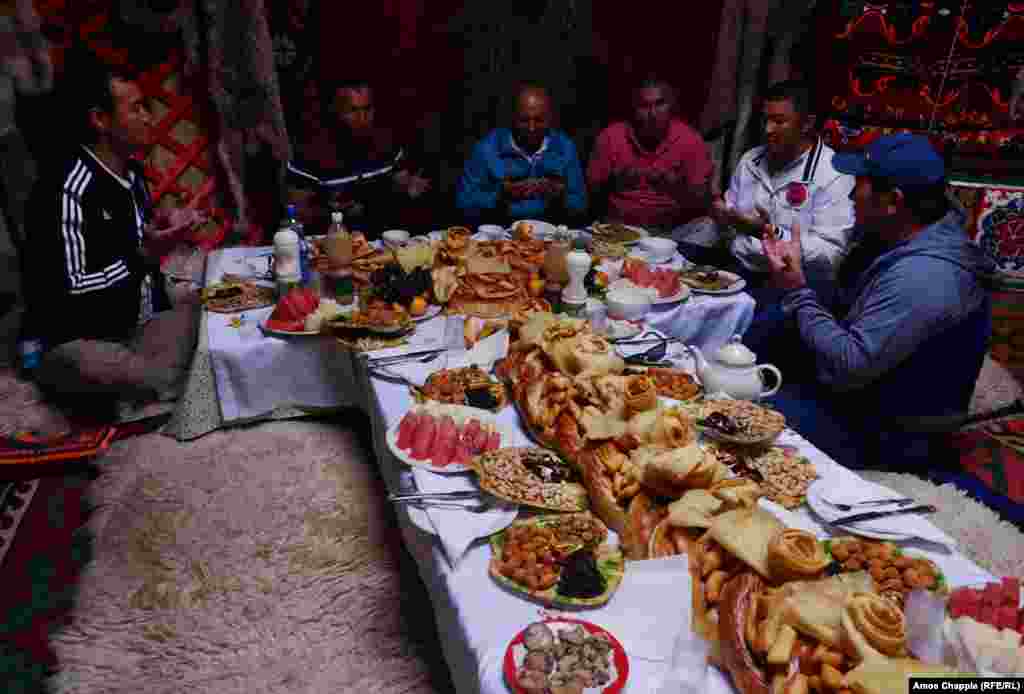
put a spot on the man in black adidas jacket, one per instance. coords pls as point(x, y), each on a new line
point(94, 292)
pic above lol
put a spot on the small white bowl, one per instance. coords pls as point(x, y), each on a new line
point(659, 250)
point(395, 237)
point(491, 231)
point(627, 304)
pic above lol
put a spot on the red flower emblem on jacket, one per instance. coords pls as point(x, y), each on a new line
point(796, 194)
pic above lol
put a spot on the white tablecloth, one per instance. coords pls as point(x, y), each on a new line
point(705, 321)
point(476, 618)
point(257, 373)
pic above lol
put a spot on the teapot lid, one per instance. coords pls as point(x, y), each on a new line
point(735, 353)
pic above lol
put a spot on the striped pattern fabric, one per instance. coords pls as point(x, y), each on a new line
point(71, 223)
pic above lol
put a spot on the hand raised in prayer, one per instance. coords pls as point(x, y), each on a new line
point(551, 187)
point(785, 258)
point(519, 190)
point(170, 223)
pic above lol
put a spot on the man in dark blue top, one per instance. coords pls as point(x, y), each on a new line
point(529, 171)
point(906, 338)
point(354, 166)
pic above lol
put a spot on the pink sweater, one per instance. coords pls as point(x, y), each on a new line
point(683, 150)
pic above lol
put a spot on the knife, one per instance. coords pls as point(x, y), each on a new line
point(872, 515)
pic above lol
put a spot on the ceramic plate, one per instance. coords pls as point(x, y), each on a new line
point(639, 230)
point(541, 230)
point(516, 654)
point(286, 333)
point(816, 502)
point(738, 285)
point(610, 564)
point(432, 310)
point(682, 295)
point(461, 414)
point(622, 330)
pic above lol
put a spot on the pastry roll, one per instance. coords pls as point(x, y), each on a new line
point(795, 555)
point(874, 627)
point(641, 394)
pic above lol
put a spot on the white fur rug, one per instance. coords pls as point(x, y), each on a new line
point(252, 560)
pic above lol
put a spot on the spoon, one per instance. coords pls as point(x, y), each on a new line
point(654, 354)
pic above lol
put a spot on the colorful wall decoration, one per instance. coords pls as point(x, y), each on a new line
point(941, 67)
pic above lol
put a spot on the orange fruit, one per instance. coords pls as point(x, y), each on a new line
point(536, 286)
point(418, 306)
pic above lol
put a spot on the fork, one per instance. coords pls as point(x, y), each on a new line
point(869, 502)
point(403, 359)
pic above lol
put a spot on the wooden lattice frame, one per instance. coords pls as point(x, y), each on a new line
point(181, 167)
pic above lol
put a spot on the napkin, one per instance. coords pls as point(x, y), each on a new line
point(854, 489)
point(430, 334)
point(457, 529)
point(484, 354)
point(645, 612)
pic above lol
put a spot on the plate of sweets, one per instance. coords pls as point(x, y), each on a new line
point(565, 654)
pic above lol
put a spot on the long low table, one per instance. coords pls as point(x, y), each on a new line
point(239, 375)
point(476, 618)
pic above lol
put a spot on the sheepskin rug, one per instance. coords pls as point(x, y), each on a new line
point(251, 560)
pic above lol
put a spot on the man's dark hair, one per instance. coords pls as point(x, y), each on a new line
point(798, 93)
point(655, 81)
point(927, 203)
point(87, 86)
point(329, 86)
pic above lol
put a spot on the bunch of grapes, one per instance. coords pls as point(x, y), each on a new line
point(392, 284)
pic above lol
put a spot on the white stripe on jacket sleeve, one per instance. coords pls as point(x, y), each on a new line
point(80, 281)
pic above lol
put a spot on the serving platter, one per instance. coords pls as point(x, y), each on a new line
point(610, 564)
point(816, 502)
point(682, 295)
point(287, 333)
point(737, 285)
point(461, 415)
point(639, 231)
point(432, 310)
point(515, 655)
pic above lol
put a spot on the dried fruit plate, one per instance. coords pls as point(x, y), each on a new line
point(518, 475)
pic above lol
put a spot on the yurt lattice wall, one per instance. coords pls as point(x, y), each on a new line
point(181, 167)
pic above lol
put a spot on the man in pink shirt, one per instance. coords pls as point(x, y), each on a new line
point(654, 170)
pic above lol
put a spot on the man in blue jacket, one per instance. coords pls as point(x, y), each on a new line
point(903, 346)
point(529, 171)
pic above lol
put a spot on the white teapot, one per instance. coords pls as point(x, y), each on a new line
point(733, 371)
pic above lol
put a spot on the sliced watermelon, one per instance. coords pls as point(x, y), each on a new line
point(1011, 591)
point(423, 445)
point(992, 595)
point(288, 326)
point(407, 430)
point(445, 442)
point(462, 454)
point(987, 615)
point(1020, 621)
point(1006, 618)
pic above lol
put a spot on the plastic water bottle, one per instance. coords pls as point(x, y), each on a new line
point(30, 354)
point(299, 228)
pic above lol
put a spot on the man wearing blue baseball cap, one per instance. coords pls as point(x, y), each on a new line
point(902, 346)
